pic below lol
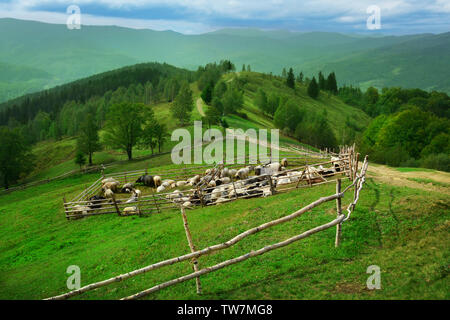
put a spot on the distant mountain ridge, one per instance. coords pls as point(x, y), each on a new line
point(66, 55)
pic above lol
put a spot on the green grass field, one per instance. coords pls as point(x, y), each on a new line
point(402, 230)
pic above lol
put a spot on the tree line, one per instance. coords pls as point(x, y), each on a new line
point(124, 116)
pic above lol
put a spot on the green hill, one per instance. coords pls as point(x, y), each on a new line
point(409, 64)
point(337, 112)
point(68, 55)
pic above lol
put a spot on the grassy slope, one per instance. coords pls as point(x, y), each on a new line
point(400, 229)
point(336, 110)
point(56, 158)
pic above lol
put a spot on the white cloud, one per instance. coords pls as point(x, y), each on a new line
point(186, 27)
point(247, 8)
point(337, 11)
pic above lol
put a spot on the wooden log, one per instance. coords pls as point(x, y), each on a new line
point(272, 189)
point(339, 213)
point(65, 208)
point(356, 166)
point(235, 192)
point(156, 203)
point(199, 253)
point(234, 260)
point(192, 247)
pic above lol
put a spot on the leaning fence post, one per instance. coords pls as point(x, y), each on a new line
point(272, 189)
point(356, 166)
point(156, 202)
point(192, 247)
point(115, 205)
point(339, 213)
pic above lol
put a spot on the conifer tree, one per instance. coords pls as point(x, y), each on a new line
point(313, 88)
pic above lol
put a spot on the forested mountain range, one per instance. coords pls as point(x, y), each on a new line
point(51, 54)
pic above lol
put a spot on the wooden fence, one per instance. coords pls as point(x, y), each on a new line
point(81, 206)
point(193, 256)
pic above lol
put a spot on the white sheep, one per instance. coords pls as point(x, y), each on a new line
point(216, 194)
point(157, 180)
point(133, 199)
point(266, 192)
point(294, 176)
point(174, 195)
point(160, 188)
point(187, 204)
point(271, 168)
point(225, 180)
point(81, 209)
point(222, 200)
point(137, 193)
point(225, 173)
point(194, 180)
point(109, 180)
point(212, 184)
point(180, 184)
point(165, 184)
point(282, 181)
point(243, 173)
point(232, 193)
point(111, 186)
point(109, 194)
point(130, 210)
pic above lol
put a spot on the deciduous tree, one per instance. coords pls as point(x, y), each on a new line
point(15, 156)
point(124, 126)
point(88, 141)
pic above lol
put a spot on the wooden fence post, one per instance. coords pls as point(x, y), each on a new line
point(115, 205)
point(272, 189)
point(192, 247)
point(355, 171)
point(156, 202)
point(65, 208)
point(235, 192)
point(339, 213)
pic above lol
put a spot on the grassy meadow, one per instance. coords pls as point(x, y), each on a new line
point(402, 230)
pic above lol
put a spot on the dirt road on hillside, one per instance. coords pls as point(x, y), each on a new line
point(397, 178)
point(200, 107)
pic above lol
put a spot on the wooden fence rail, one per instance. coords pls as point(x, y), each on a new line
point(156, 202)
point(357, 184)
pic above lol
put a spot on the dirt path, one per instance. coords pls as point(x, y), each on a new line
point(397, 178)
point(200, 107)
point(256, 141)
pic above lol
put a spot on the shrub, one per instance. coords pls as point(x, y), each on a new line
point(439, 162)
point(243, 115)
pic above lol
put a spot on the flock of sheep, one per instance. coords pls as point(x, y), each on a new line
point(216, 185)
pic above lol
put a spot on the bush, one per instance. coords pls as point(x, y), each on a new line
point(243, 115)
point(439, 162)
point(410, 163)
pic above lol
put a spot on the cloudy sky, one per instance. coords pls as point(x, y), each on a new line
point(199, 16)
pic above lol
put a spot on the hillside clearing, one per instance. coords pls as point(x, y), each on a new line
point(409, 179)
point(199, 104)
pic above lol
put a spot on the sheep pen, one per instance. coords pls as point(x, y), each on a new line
point(199, 186)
